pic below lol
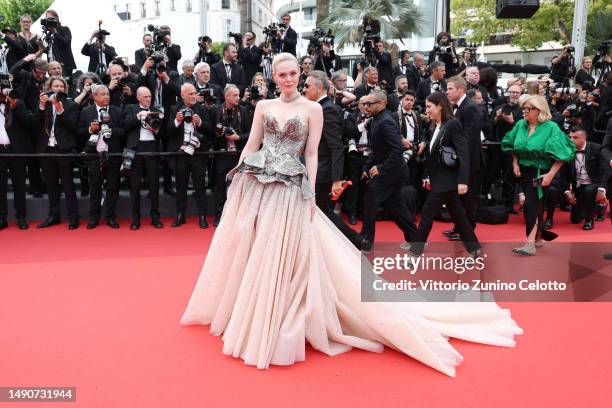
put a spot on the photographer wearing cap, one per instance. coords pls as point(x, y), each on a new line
point(232, 125)
point(101, 124)
point(188, 131)
point(15, 129)
point(58, 41)
point(142, 124)
point(100, 54)
point(55, 119)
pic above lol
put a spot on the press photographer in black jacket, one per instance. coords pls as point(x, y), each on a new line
point(59, 40)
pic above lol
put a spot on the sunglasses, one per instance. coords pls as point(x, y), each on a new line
point(368, 104)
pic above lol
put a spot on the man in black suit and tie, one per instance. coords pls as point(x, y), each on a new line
point(331, 152)
point(15, 129)
point(204, 86)
point(468, 114)
point(182, 131)
point(386, 170)
point(227, 71)
point(403, 66)
point(432, 84)
point(383, 64)
point(393, 98)
point(141, 55)
point(141, 137)
point(287, 38)
point(55, 121)
point(172, 51)
point(249, 56)
point(472, 77)
point(101, 125)
point(417, 71)
point(369, 83)
point(584, 179)
point(100, 54)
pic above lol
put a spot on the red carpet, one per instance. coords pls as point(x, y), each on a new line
point(99, 310)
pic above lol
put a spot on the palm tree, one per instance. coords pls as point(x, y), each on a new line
point(397, 19)
point(322, 11)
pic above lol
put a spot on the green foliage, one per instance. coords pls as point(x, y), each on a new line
point(398, 19)
point(599, 27)
point(12, 10)
point(217, 47)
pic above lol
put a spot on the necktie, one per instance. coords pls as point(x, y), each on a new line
point(228, 71)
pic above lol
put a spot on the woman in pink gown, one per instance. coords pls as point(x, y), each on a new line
point(279, 274)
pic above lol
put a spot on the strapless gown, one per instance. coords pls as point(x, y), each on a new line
point(274, 279)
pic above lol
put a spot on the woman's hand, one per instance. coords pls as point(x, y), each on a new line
point(516, 169)
point(547, 179)
point(462, 188)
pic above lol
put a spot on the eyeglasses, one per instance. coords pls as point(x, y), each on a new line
point(529, 109)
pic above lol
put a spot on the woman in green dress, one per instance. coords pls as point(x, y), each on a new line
point(538, 149)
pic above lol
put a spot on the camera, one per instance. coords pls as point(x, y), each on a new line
point(255, 93)
point(604, 47)
point(104, 132)
point(59, 96)
point(231, 144)
point(204, 40)
point(158, 58)
point(566, 90)
point(187, 115)
point(570, 49)
point(154, 118)
point(236, 36)
point(320, 37)
point(128, 160)
point(273, 29)
point(191, 145)
point(101, 34)
point(6, 87)
point(352, 147)
point(48, 23)
point(506, 109)
point(209, 96)
point(159, 36)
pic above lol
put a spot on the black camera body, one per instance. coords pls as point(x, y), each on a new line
point(159, 36)
point(158, 58)
point(320, 37)
point(506, 109)
point(273, 29)
point(48, 23)
point(187, 115)
point(255, 93)
point(154, 118)
point(6, 86)
point(59, 96)
point(236, 36)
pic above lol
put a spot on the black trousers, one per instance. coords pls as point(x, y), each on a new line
point(54, 170)
point(352, 198)
point(34, 174)
point(469, 200)
point(552, 199)
point(533, 208)
point(222, 165)
point(16, 167)
point(432, 207)
point(585, 203)
point(390, 196)
point(104, 174)
point(326, 205)
point(150, 167)
point(196, 167)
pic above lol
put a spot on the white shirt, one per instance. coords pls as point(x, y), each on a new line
point(434, 137)
point(459, 102)
point(145, 134)
point(4, 139)
point(582, 177)
point(52, 139)
point(409, 120)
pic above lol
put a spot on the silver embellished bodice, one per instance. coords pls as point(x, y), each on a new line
point(278, 160)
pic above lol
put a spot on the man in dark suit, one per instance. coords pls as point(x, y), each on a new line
point(327, 60)
point(413, 138)
point(181, 133)
point(203, 85)
point(369, 82)
point(432, 84)
point(141, 133)
point(141, 55)
point(172, 51)
point(288, 36)
point(331, 152)
point(225, 117)
point(165, 87)
point(249, 56)
point(584, 179)
point(403, 66)
point(205, 53)
point(386, 171)
point(383, 64)
point(393, 98)
point(94, 122)
point(100, 54)
point(55, 122)
point(60, 48)
point(472, 77)
point(227, 71)
point(468, 114)
point(417, 71)
point(15, 129)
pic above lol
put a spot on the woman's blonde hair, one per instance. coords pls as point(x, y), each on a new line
point(282, 57)
point(53, 79)
point(538, 102)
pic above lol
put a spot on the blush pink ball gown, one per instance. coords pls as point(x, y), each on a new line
point(274, 280)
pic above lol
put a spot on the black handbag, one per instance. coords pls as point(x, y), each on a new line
point(448, 155)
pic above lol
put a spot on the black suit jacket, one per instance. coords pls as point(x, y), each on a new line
point(218, 76)
point(217, 91)
point(362, 90)
point(174, 55)
point(470, 117)
point(65, 130)
point(140, 56)
point(91, 51)
point(443, 178)
point(328, 64)
point(290, 41)
point(331, 149)
point(132, 125)
point(62, 49)
point(175, 134)
point(19, 127)
point(240, 122)
point(412, 73)
point(208, 57)
point(595, 164)
point(170, 91)
point(424, 90)
point(249, 59)
point(387, 149)
point(418, 124)
point(383, 64)
point(117, 140)
point(23, 81)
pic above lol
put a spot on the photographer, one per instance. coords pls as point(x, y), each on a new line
point(84, 84)
point(403, 65)
point(141, 55)
point(286, 36)
point(435, 83)
point(266, 60)
point(306, 66)
point(188, 131)
point(142, 124)
point(370, 74)
point(122, 92)
point(325, 59)
point(255, 93)
point(187, 76)
point(342, 97)
point(101, 124)
point(172, 51)
point(58, 39)
point(228, 71)
point(54, 120)
point(208, 93)
point(100, 54)
point(583, 76)
point(444, 51)
point(563, 66)
point(249, 55)
point(205, 53)
point(28, 82)
point(383, 64)
point(232, 125)
point(15, 130)
point(413, 139)
point(417, 71)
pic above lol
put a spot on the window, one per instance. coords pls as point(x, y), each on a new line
point(188, 6)
point(172, 6)
point(225, 4)
point(156, 8)
point(228, 27)
point(143, 9)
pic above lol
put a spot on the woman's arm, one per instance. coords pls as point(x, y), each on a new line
point(256, 136)
point(311, 154)
point(548, 177)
